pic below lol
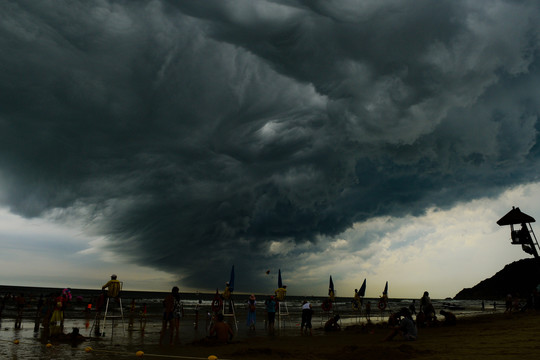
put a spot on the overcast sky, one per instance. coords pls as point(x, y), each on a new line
point(166, 141)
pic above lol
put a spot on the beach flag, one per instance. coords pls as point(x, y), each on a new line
point(279, 282)
point(231, 281)
point(331, 287)
point(385, 292)
point(362, 291)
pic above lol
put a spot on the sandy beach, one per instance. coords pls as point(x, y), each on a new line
point(491, 336)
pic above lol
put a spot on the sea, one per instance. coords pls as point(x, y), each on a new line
point(134, 324)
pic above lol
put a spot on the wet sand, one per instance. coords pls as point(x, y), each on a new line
point(493, 336)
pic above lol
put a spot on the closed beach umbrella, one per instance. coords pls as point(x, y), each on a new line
point(331, 287)
point(279, 282)
point(385, 291)
point(231, 281)
point(362, 290)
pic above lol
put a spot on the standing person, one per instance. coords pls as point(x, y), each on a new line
point(251, 316)
point(516, 305)
point(368, 310)
point(307, 313)
point(20, 302)
point(271, 305)
point(87, 312)
point(357, 301)
point(56, 323)
point(508, 303)
point(113, 287)
point(197, 307)
point(37, 320)
point(412, 308)
point(425, 302)
point(131, 314)
point(101, 302)
point(142, 318)
point(3, 303)
point(427, 307)
point(171, 315)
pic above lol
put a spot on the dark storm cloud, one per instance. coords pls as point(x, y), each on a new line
point(194, 133)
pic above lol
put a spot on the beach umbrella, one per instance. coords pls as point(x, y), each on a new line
point(279, 282)
point(231, 281)
point(515, 216)
point(331, 287)
point(385, 291)
point(362, 290)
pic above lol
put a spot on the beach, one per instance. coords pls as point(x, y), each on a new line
point(477, 335)
point(496, 336)
point(490, 336)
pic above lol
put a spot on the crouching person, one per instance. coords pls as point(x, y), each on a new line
point(221, 332)
point(406, 327)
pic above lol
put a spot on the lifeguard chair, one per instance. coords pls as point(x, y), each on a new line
point(113, 293)
point(281, 292)
point(228, 310)
point(525, 235)
point(227, 304)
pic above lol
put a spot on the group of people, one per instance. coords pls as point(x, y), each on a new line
point(403, 323)
point(53, 307)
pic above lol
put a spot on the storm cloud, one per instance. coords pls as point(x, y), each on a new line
point(247, 132)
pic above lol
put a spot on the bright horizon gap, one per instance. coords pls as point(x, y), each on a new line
point(397, 231)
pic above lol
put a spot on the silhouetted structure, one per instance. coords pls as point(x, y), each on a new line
point(522, 237)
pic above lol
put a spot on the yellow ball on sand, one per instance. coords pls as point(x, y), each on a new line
point(15, 341)
point(48, 345)
point(88, 349)
point(139, 353)
point(212, 357)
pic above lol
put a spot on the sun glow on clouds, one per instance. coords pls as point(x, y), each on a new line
point(39, 252)
point(442, 251)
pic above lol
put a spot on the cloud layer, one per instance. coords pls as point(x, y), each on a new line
point(197, 135)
